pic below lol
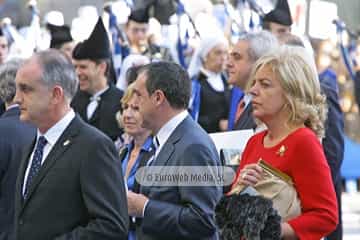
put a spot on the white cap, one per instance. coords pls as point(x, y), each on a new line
point(55, 18)
point(84, 23)
point(121, 10)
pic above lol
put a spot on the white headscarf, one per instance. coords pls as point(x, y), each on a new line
point(130, 61)
point(206, 45)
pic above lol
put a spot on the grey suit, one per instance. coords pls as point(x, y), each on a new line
point(246, 120)
point(78, 193)
point(177, 212)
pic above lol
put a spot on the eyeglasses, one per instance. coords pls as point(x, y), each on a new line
point(139, 29)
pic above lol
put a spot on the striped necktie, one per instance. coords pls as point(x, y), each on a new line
point(155, 145)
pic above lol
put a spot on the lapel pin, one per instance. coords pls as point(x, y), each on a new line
point(281, 151)
point(66, 143)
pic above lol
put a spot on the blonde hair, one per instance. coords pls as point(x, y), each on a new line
point(297, 74)
point(129, 92)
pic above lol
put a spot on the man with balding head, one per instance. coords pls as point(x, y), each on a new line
point(70, 185)
point(249, 48)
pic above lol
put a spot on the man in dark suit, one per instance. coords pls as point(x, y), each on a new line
point(249, 48)
point(15, 136)
point(333, 144)
point(97, 101)
point(70, 185)
point(357, 87)
point(278, 21)
point(173, 211)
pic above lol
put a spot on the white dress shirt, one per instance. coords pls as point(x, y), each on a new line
point(166, 130)
point(94, 102)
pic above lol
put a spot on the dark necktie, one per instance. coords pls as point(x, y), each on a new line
point(36, 162)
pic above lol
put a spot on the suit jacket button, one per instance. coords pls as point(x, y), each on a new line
point(21, 222)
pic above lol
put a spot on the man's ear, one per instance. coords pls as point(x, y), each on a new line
point(159, 97)
point(102, 66)
point(57, 94)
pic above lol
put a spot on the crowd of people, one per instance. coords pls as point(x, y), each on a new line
point(75, 131)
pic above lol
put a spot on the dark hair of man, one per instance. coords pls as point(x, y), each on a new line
point(132, 73)
point(107, 61)
point(170, 78)
point(57, 46)
point(266, 25)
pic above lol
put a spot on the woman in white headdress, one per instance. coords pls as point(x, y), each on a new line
point(210, 96)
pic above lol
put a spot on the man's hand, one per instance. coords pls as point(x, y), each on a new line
point(136, 204)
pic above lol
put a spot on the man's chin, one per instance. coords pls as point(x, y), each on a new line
point(145, 125)
point(82, 88)
point(231, 81)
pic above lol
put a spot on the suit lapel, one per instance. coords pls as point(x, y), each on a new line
point(96, 115)
point(81, 103)
point(122, 153)
point(62, 144)
point(168, 149)
point(144, 157)
point(245, 117)
point(169, 146)
point(164, 155)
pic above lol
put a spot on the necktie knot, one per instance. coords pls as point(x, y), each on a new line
point(41, 143)
point(95, 98)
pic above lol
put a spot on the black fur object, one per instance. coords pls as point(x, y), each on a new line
point(252, 217)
